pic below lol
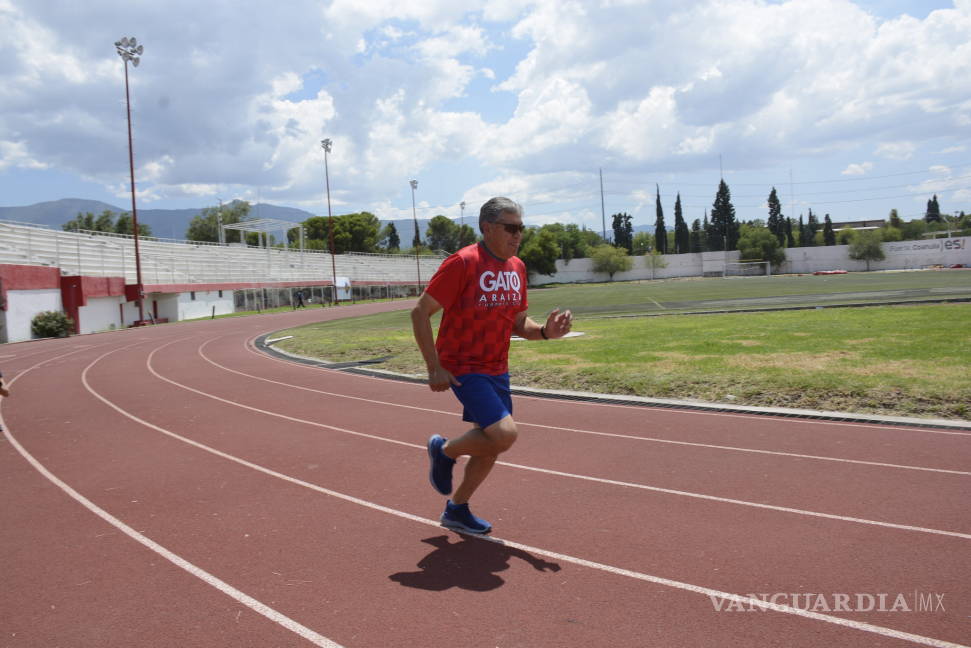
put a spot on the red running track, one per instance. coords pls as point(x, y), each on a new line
point(173, 486)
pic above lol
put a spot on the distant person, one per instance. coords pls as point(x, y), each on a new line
point(4, 392)
point(482, 289)
point(299, 303)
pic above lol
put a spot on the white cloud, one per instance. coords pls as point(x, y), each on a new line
point(857, 169)
point(637, 86)
point(896, 150)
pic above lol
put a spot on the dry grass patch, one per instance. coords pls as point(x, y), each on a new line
point(801, 361)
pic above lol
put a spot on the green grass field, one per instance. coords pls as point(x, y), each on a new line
point(909, 360)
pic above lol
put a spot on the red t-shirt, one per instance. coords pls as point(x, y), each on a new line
point(481, 297)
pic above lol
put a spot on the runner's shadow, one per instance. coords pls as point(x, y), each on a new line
point(470, 564)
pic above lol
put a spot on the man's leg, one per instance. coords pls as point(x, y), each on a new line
point(483, 447)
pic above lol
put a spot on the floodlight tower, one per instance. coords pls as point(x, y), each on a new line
point(414, 215)
point(326, 145)
point(129, 50)
point(462, 207)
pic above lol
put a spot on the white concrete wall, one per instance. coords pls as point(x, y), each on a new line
point(100, 314)
point(168, 305)
point(203, 304)
point(22, 305)
point(899, 256)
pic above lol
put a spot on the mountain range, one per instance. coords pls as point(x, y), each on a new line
point(168, 223)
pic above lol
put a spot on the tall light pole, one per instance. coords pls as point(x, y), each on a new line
point(129, 50)
point(462, 207)
point(326, 145)
point(414, 215)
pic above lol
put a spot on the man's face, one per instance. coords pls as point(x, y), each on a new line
point(504, 236)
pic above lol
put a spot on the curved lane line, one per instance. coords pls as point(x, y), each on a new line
point(619, 571)
point(594, 432)
point(175, 559)
point(248, 345)
point(547, 471)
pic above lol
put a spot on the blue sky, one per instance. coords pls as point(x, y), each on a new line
point(847, 108)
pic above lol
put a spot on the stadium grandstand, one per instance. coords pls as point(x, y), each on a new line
point(85, 267)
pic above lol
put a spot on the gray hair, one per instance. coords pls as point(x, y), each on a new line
point(496, 207)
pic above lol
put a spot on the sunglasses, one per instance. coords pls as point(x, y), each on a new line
point(512, 228)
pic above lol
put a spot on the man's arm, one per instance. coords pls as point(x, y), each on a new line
point(439, 378)
point(557, 325)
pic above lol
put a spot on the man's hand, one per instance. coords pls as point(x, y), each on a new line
point(3, 388)
point(439, 379)
point(558, 324)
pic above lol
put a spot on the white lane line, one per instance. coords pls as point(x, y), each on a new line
point(592, 432)
point(175, 559)
point(600, 480)
point(887, 427)
point(618, 571)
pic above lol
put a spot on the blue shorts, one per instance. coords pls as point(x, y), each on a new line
point(486, 399)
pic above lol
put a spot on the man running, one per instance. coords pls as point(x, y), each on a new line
point(482, 289)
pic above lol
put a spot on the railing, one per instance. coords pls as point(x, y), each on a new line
point(180, 261)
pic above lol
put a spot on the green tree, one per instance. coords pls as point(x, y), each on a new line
point(776, 222)
point(356, 232)
point(682, 237)
point(610, 259)
point(390, 238)
point(642, 243)
point(105, 222)
point(867, 247)
point(539, 251)
point(205, 226)
point(623, 230)
point(697, 237)
point(760, 244)
point(442, 234)
point(790, 239)
point(467, 236)
point(895, 219)
point(655, 261)
point(914, 230)
point(933, 213)
point(812, 225)
point(83, 221)
point(829, 236)
point(723, 223)
point(845, 235)
point(660, 231)
point(124, 226)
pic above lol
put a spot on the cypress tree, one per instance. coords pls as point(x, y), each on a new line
point(790, 240)
point(723, 223)
point(776, 222)
point(829, 236)
point(682, 237)
point(694, 244)
point(933, 213)
point(895, 219)
point(813, 227)
point(660, 232)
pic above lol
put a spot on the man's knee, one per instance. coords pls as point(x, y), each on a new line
point(502, 433)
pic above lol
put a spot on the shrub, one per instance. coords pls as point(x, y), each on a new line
point(759, 244)
point(607, 258)
point(51, 324)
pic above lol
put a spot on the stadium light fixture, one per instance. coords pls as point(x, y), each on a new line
point(130, 51)
point(326, 144)
point(462, 207)
point(414, 215)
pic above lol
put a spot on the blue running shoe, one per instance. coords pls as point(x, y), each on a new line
point(440, 473)
point(460, 518)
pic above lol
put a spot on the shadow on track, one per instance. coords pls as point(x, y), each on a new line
point(469, 564)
